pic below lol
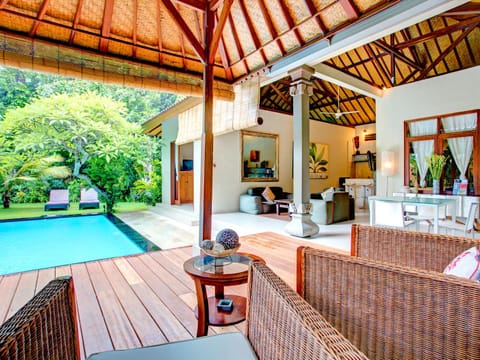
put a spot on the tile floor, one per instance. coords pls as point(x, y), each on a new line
point(175, 226)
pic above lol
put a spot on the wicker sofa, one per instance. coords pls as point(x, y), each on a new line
point(390, 311)
point(280, 326)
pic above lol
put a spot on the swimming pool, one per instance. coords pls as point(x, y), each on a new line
point(37, 244)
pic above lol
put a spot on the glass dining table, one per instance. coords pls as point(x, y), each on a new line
point(435, 203)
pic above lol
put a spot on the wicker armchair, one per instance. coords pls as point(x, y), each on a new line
point(45, 328)
point(415, 249)
point(392, 312)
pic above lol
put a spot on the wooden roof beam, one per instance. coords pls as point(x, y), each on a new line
point(398, 55)
point(440, 58)
point(217, 34)
point(290, 23)
point(40, 15)
point(447, 30)
point(76, 19)
point(313, 12)
point(184, 28)
point(159, 32)
point(224, 57)
point(253, 33)
point(106, 26)
point(194, 4)
point(350, 9)
point(342, 79)
point(134, 33)
point(378, 66)
point(270, 26)
point(238, 45)
point(288, 99)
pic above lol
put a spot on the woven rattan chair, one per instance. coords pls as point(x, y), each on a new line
point(392, 312)
point(45, 328)
point(415, 249)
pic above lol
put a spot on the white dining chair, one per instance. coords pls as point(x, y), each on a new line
point(465, 228)
point(391, 214)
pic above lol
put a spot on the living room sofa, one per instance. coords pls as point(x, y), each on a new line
point(334, 207)
point(254, 203)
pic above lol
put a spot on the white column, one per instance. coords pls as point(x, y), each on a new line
point(300, 89)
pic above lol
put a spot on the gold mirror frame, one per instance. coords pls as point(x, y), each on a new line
point(259, 156)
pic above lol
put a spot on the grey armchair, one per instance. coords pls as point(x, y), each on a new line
point(340, 207)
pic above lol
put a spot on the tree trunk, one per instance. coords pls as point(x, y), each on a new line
point(6, 200)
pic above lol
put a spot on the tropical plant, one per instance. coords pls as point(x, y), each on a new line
point(19, 167)
point(90, 131)
point(435, 164)
point(316, 161)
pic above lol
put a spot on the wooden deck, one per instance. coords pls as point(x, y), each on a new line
point(144, 299)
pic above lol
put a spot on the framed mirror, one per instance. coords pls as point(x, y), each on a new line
point(259, 156)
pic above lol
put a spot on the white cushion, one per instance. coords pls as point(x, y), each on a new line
point(466, 265)
point(327, 195)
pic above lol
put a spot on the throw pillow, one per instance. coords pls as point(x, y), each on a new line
point(327, 195)
point(466, 265)
point(268, 194)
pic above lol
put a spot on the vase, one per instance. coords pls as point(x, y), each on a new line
point(436, 186)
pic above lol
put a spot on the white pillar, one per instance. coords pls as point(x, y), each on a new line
point(300, 89)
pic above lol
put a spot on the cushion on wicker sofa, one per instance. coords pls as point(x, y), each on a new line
point(466, 265)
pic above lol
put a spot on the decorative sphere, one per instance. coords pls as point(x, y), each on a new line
point(207, 244)
point(228, 238)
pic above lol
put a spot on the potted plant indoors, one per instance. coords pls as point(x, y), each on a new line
point(435, 164)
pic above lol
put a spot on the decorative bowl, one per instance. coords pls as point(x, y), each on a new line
point(222, 254)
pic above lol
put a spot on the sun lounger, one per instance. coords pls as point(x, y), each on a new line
point(89, 199)
point(58, 200)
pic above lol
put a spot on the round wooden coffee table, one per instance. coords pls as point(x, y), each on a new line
point(219, 272)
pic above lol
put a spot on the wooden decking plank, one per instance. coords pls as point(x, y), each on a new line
point(95, 335)
point(25, 291)
point(145, 327)
point(44, 277)
point(174, 268)
point(166, 317)
point(173, 283)
point(121, 331)
point(8, 287)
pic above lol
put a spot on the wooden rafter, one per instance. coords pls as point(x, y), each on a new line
point(220, 25)
point(76, 19)
point(396, 54)
point(425, 37)
point(106, 26)
point(434, 63)
point(252, 31)
point(195, 4)
point(312, 9)
point(159, 32)
point(238, 44)
point(290, 23)
point(379, 66)
point(40, 15)
point(185, 29)
point(270, 26)
point(350, 10)
point(134, 32)
point(224, 56)
point(281, 95)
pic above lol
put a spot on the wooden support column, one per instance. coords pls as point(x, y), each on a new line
point(300, 89)
point(206, 182)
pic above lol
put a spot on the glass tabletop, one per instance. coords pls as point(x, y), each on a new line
point(232, 264)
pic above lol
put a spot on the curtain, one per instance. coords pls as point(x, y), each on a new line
point(461, 147)
point(423, 148)
point(227, 115)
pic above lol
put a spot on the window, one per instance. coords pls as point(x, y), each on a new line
point(454, 135)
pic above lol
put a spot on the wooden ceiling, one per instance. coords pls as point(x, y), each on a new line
point(161, 42)
point(440, 45)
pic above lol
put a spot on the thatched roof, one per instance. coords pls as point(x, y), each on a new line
point(159, 44)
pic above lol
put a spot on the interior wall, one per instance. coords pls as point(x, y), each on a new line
point(339, 141)
point(169, 134)
point(457, 91)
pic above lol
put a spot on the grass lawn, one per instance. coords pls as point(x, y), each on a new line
point(18, 211)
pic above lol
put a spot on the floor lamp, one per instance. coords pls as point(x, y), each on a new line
point(388, 165)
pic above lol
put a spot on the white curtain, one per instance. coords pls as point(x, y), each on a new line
point(227, 115)
point(461, 147)
point(423, 148)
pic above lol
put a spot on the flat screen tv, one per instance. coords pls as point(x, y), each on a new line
point(187, 165)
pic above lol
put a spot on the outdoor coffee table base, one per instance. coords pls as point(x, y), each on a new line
point(218, 317)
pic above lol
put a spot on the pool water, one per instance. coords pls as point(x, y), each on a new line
point(37, 244)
